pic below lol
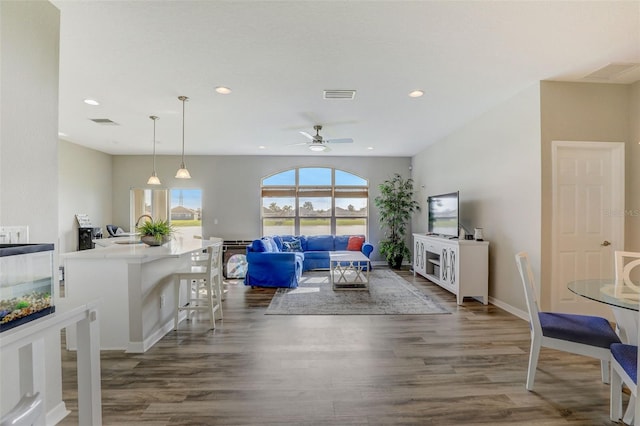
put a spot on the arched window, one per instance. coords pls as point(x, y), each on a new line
point(314, 201)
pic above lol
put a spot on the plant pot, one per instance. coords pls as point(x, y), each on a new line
point(150, 240)
point(396, 262)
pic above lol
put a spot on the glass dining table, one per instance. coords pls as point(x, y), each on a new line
point(624, 304)
point(605, 291)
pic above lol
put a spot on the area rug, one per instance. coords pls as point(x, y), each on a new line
point(388, 294)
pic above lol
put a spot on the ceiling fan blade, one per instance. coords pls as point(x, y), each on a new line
point(342, 140)
point(298, 144)
point(303, 133)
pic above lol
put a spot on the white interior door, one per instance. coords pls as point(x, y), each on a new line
point(587, 221)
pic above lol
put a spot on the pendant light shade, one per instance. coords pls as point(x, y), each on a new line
point(153, 179)
point(182, 172)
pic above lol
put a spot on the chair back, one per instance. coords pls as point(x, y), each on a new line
point(623, 268)
point(524, 267)
point(112, 229)
point(214, 260)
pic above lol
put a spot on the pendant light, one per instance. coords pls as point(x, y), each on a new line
point(153, 179)
point(182, 172)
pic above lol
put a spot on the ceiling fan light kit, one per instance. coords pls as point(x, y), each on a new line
point(182, 172)
point(319, 144)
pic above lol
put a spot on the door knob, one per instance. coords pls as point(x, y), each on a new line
point(605, 243)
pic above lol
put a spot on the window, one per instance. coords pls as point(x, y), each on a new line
point(314, 201)
point(186, 212)
point(144, 201)
point(182, 207)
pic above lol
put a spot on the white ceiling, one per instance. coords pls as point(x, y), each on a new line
point(137, 57)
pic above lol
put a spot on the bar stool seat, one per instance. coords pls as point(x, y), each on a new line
point(204, 285)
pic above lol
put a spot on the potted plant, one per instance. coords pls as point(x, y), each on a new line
point(395, 205)
point(155, 232)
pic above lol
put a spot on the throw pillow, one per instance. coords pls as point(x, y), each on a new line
point(355, 243)
point(269, 245)
point(293, 245)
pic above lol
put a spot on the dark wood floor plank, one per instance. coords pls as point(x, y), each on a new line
point(463, 368)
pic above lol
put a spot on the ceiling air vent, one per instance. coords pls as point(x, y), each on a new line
point(611, 72)
point(339, 94)
point(104, 121)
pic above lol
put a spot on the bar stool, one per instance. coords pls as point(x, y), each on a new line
point(199, 258)
point(204, 286)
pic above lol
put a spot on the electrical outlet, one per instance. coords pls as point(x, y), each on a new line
point(162, 301)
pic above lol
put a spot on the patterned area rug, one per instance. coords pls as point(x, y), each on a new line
point(388, 294)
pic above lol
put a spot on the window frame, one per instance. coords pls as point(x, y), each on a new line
point(298, 192)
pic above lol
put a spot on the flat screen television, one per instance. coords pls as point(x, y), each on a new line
point(443, 214)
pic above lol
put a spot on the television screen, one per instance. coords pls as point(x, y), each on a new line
point(443, 214)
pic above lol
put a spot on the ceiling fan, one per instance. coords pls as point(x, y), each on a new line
point(318, 143)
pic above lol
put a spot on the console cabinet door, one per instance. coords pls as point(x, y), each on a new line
point(419, 256)
point(452, 263)
point(449, 266)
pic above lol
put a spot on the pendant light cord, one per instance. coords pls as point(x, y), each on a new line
point(154, 143)
point(183, 99)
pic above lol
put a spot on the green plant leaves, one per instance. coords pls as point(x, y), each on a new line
point(395, 205)
point(156, 228)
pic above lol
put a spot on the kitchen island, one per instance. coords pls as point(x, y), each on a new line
point(134, 285)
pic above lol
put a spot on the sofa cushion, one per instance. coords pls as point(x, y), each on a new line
point(270, 245)
point(340, 242)
point(355, 243)
point(277, 240)
point(320, 243)
point(258, 246)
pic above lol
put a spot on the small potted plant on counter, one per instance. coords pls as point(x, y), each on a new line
point(155, 232)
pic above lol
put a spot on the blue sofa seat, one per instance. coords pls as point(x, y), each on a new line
point(279, 261)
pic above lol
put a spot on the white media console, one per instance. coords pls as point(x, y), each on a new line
point(459, 266)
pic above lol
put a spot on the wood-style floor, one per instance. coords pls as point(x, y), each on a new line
point(464, 368)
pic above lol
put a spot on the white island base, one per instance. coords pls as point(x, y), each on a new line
point(135, 287)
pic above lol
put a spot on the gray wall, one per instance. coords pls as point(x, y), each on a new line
point(590, 112)
point(231, 185)
point(29, 46)
point(494, 161)
point(85, 187)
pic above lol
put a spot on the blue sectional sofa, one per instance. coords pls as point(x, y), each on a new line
point(280, 260)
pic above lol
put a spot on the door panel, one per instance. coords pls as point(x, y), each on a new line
point(587, 184)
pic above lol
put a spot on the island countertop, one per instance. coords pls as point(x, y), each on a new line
point(135, 286)
point(132, 249)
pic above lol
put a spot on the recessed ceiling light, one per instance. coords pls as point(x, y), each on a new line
point(416, 94)
point(370, 148)
point(92, 102)
point(223, 90)
point(262, 147)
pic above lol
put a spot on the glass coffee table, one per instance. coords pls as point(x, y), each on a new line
point(349, 270)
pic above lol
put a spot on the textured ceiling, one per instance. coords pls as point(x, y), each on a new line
point(137, 57)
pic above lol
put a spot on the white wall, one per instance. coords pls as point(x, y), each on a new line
point(29, 46)
point(632, 224)
point(85, 187)
point(589, 112)
point(231, 185)
point(494, 161)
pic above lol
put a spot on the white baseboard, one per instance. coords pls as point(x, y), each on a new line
point(141, 347)
point(57, 413)
point(512, 310)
